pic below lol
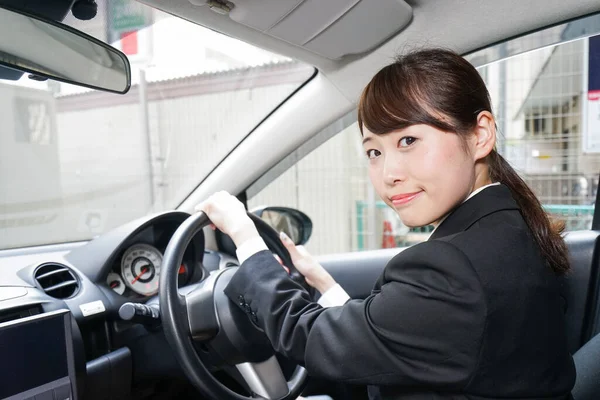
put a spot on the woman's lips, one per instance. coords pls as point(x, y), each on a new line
point(405, 198)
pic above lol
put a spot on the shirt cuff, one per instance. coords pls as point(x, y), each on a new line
point(250, 248)
point(333, 297)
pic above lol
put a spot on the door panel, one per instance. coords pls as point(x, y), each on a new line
point(357, 272)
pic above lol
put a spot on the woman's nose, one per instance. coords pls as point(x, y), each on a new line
point(394, 170)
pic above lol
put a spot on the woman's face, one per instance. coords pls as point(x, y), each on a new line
point(420, 171)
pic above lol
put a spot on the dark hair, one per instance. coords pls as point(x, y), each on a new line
point(439, 88)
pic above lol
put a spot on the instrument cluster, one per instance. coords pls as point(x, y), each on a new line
point(139, 271)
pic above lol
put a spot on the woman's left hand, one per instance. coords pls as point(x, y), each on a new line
point(313, 272)
point(228, 214)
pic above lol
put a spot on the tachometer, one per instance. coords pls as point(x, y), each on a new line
point(140, 268)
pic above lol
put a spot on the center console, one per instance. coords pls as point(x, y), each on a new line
point(37, 360)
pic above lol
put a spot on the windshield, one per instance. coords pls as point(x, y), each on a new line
point(76, 162)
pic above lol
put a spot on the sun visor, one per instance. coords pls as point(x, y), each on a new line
point(330, 28)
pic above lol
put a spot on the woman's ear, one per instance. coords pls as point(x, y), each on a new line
point(485, 135)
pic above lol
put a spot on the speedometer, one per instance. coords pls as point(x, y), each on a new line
point(140, 268)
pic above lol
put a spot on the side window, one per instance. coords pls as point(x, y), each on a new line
point(547, 106)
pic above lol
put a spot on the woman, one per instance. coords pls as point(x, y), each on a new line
point(472, 313)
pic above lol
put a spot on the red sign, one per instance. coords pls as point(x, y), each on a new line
point(594, 95)
point(129, 43)
point(388, 241)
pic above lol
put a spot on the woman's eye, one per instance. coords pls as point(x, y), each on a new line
point(371, 154)
point(407, 141)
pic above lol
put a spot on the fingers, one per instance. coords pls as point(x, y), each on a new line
point(302, 251)
point(280, 261)
point(285, 239)
point(200, 207)
point(204, 207)
point(220, 197)
point(226, 213)
point(290, 246)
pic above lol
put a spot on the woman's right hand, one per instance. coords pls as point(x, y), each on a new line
point(314, 273)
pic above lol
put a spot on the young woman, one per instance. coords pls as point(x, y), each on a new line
point(472, 313)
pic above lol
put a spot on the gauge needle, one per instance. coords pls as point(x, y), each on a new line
point(142, 272)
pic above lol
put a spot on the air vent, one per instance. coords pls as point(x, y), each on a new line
point(56, 280)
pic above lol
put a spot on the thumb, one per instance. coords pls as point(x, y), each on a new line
point(302, 251)
point(290, 246)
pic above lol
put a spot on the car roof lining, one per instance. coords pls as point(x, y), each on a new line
point(462, 26)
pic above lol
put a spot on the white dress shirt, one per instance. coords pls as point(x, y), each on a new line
point(336, 295)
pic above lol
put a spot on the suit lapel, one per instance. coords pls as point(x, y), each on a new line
point(488, 201)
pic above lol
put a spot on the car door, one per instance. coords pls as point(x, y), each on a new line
point(546, 106)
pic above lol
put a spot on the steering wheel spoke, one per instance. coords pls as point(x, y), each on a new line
point(201, 316)
point(265, 378)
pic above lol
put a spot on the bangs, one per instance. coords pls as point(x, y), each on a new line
point(396, 99)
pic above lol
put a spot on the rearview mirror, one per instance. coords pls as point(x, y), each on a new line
point(49, 49)
point(293, 223)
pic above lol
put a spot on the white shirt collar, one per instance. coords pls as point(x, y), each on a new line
point(473, 193)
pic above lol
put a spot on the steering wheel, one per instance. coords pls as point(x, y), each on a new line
point(204, 317)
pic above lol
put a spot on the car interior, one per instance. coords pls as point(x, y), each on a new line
point(133, 308)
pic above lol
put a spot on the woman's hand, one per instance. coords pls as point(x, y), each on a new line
point(228, 215)
point(314, 273)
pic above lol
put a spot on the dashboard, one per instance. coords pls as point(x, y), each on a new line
point(135, 270)
point(113, 357)
point(92, 280)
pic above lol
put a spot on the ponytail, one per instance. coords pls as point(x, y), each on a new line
point(546, 232)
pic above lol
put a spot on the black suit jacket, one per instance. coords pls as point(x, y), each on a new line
point(473, 313)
